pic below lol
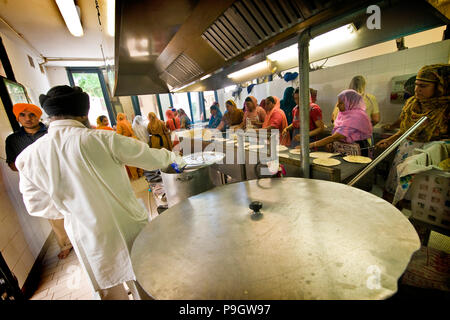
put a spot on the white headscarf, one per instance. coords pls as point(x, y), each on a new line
point(140, 129)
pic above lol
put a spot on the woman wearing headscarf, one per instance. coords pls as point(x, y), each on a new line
point(140, 129)
point(352, 124)
point(172, 123)
point(103, 123)
point(275, 118)
point(288, 103)
point(123, 127)
point(431, 99)
point(232, 117)
point(185, 122)
point(160, 135)
point(254, 114)
point(216, 116)
point(316, 125)
point(358, 83)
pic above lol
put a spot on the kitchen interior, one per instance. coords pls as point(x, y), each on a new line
point(151, 56)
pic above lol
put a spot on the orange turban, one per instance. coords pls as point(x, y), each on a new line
point(18, 108)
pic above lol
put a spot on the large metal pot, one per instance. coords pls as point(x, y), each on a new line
point(190, 182)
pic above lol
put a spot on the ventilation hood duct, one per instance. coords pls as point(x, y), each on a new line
point(162, 46)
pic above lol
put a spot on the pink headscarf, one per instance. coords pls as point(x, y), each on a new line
point(354, 117)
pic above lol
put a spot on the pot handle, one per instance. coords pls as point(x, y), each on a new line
point(185, 178)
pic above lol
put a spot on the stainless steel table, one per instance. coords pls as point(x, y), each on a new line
point(315, 240)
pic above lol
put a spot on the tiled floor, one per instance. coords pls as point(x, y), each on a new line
point(62, 279)
point(65, 279)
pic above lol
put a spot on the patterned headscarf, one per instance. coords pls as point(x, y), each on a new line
point(231, 102)
point(436, 108)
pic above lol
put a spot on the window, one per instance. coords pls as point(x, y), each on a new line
point(195, 103)
point(209, 98)
point(92, 82)
point(181, 101)
point(166, 104)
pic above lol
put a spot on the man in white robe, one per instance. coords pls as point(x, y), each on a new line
point(79, 174)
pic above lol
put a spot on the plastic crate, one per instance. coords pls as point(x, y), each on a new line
point(430, 198)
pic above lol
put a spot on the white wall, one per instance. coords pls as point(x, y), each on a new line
point(378, 72)
point(148, 104)
point(57, 76)
point(22, 236)
point(32, 78)
point(127, 106)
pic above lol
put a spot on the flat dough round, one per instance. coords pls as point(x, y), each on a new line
point(357, 159)
point(320, 154)
point(295, 151)
point(281, 148)
point(327, 162)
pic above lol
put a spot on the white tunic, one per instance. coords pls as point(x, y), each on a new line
point(79, 173)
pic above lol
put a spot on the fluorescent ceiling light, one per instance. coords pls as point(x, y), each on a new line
point(185, 86)
point(205, 77)
point(332, 37)
point(283, 54)
point(71, 16)
point(111, 6)
point(258, 67)
point(343, 33)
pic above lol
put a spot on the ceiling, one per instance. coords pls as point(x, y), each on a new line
point(42, 26)
point(216, 38)
point(185, 39)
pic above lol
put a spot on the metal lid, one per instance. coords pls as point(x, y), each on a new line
point(311, 239)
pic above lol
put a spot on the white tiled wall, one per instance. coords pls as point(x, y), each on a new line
point(378, 72)
point(21, 236)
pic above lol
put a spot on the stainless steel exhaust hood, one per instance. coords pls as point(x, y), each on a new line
point(164, 45)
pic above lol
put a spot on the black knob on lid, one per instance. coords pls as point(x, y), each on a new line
point(256, 206)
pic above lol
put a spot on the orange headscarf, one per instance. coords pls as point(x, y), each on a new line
point(124, 126)
point(18, 108)
point(155, 126)
point(101, 126)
